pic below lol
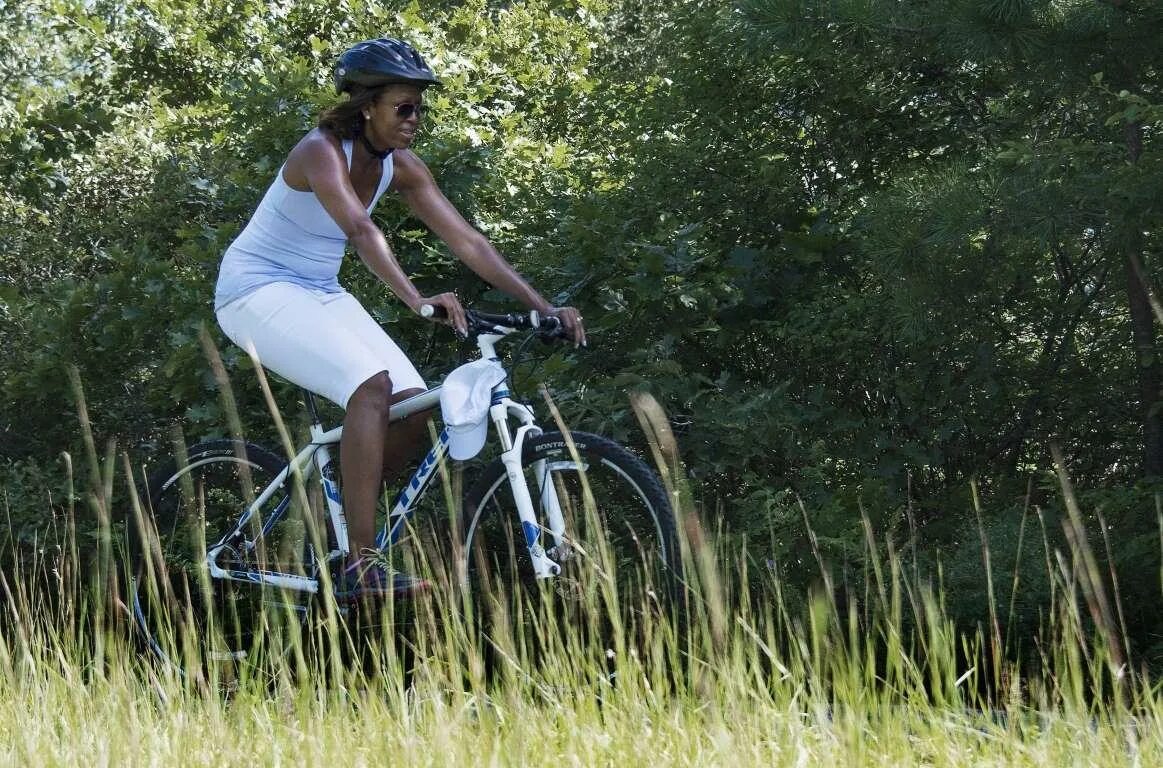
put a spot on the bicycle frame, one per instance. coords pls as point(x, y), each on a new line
point(316, 457)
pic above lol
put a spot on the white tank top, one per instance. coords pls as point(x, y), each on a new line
point(291, 238)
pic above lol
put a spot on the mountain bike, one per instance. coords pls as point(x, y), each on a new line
point(233, 544)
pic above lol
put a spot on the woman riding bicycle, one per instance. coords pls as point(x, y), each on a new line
point(278, 296)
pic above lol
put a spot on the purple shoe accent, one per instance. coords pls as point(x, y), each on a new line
point(363, 579)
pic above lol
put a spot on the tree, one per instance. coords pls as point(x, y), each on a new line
point(1042, 102)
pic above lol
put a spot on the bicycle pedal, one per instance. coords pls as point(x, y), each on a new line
point(562, 553)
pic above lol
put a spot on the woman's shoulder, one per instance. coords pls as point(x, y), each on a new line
point(408, 169)
point(318, 142)
point(316, 146)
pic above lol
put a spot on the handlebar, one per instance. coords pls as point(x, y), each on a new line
point(479, 323)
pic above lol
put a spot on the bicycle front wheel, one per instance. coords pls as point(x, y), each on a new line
point(201, 624)
point(620, 550)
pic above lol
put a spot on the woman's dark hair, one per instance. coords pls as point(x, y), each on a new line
point(345, 118)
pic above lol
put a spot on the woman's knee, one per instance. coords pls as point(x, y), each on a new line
point(374, 393)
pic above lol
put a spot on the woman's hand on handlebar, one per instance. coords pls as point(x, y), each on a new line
point(571, 321)
point(445, 308)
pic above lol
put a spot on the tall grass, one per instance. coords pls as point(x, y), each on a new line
point(732, 673)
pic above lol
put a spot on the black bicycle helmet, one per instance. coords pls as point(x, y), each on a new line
point(379, 62)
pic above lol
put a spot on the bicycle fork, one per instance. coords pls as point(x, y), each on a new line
point(543, 566)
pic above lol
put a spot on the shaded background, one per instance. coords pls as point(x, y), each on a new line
point(864, 253)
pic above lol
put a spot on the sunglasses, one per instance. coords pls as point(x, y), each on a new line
point(406, 110)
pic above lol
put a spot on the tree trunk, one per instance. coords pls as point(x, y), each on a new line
point(1149, 371)
point(1149, 368)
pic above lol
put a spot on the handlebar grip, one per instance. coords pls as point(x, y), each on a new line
point(431, 310)
point(551, 328)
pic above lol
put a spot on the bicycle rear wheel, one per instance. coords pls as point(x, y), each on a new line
point(620, 560)
point(199, 624)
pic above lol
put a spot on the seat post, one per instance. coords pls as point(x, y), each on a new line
point(309, 399)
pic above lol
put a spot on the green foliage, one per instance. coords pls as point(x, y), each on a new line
point(863, 252)
point(36, 499)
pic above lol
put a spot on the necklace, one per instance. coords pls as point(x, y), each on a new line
point(381, 154)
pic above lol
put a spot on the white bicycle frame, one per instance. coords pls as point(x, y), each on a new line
point(316, 457)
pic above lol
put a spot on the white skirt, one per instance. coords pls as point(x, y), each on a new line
point(324, 342)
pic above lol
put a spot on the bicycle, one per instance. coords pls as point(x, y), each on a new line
point(229, 554)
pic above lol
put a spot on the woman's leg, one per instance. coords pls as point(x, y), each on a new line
point(405, 439)
point(408, 439)
point(296, 333)
point(361, 459)
point(327, 343)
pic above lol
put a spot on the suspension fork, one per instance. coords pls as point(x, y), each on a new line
point(543, 566)
point(550, 504)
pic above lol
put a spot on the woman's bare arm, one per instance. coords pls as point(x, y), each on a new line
point(318, 161)
point(414, 183)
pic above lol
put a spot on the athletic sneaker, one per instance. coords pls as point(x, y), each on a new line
point(365, 578)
